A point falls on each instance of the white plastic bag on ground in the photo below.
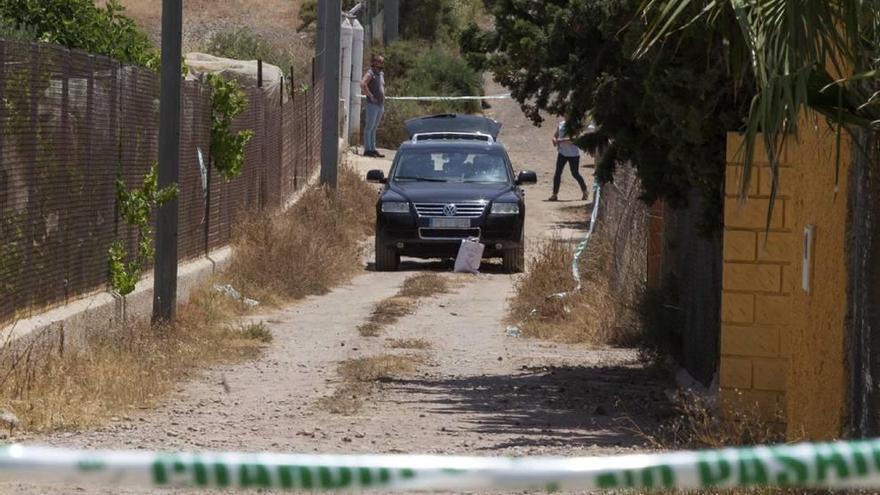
(470, 254)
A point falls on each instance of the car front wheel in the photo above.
(514, 260)
(387, 258)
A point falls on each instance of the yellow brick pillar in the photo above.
(755, 299)
(782, 346)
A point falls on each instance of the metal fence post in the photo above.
(165, 281)
(392, 21)
(332, 11)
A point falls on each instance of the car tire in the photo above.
(387, 259)
(514, 260)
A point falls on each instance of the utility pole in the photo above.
(320, 39)
(392, 21)
(165, 270)
(330, 61)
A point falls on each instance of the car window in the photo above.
(454, 166)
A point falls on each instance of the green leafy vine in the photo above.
(227, 147)
(135, 207)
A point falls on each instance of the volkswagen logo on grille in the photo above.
(450, 210)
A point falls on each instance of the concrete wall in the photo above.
(783, 348)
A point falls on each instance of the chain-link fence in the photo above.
(622, 237)
(656, 248)
(72, 122)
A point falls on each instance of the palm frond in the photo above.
(793, 46)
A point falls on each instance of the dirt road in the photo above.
(479, 391)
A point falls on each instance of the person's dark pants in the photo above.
(573, 163)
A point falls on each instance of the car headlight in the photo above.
(505, 209)
(395, 207)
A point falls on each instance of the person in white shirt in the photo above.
(567, 153)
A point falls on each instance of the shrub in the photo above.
(417, 69)
(11, 32)
(438, 20)
(102, 30)
(241, 43)
(278, 257)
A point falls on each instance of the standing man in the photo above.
(373, 86)
(567, 152)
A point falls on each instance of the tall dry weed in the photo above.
(49, 385)
(589, 316)
(701, 424)
(306, 249)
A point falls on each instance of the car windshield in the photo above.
(451, 166)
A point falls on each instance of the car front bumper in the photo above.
(414, 236)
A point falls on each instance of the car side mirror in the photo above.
(376, 176)
(526, 177)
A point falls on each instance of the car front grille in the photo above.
(448, 234)
(471, 209)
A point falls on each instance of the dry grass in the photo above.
(420, 344)
(424, 285)
(388, 311)
(274, 21)
(256, 331)
(347, 399)
(278, 258)
(590, 316)
(370, 330)
(384, 367)
(305, 250)
(700, 424)
(361, 376)
(49, 387)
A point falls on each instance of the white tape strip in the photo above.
(828, 465)
(505, 96)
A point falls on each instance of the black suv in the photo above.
(450, 181)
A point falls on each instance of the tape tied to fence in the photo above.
(853, 464)
(582, 246)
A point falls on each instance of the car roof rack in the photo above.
(433, 136)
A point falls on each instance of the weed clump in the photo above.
(50, 385)
(370, 330)
(545, 306)
(420, 344)
(424, 285)
(279, 257)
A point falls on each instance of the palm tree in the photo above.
(819, 55)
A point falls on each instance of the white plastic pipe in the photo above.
(357, 71)
(345, 37)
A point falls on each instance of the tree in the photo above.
(819, 55)
(83, 25)
(667, 116)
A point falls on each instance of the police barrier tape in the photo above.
(853, 464)
(575, 272)
(505, 96)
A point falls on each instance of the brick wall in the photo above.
(757, 290)
(782, 347)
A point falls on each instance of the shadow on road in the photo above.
(491, 267)
(556, 406)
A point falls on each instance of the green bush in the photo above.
(11, 32)
(79, 24)
(437, 20)
(414, 68)
(241, 43)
